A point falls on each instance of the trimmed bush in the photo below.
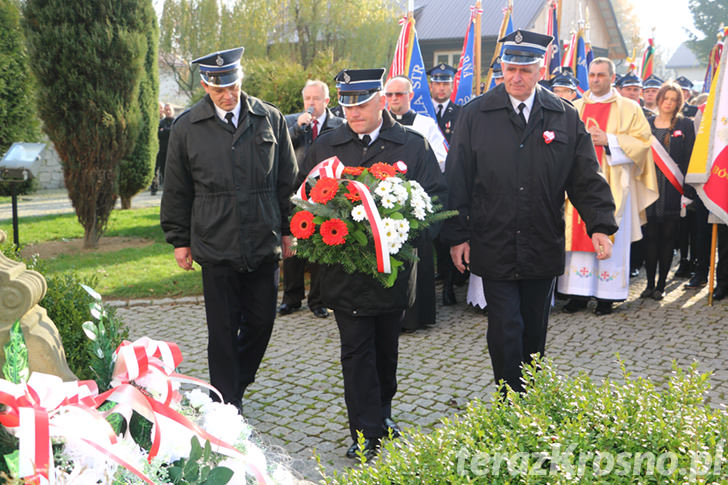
(567, 430)
(67, 304)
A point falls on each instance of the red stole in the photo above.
(595, 114)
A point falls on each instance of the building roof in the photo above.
(448, 19)
(682, 58)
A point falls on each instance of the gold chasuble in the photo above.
(623, 118)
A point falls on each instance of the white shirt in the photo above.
(374, 134)
(221, 113)
(528, 102)
(617, 155)
(444, 105)
(428, 128)
(320, 120)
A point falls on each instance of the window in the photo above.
(451, 58)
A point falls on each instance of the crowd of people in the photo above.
(557, 193)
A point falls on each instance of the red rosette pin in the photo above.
(548, 136)
(677, 133)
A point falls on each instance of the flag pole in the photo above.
(501, 33)
(476, 48)
(712, 264)
(410, 8)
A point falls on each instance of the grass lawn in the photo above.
(126, 272)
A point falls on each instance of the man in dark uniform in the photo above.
(304, 128)
(165, 126)
(650, 86)
(368, 314)
(497, 72)
(441, 84)
(564, 85)
(518, 149)
(689, 110)
(230, 175)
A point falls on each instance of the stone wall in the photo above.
(50, 175)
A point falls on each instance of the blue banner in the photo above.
(555, 64)
(465, 85)
(582, 70)
(422, 102)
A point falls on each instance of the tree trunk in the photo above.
(125, 202)
(91, 237)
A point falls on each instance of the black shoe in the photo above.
(603, 308)
(287, 309)
(391, 428)
(696, 281)
(684, 269)
(634, 273)
(658, 294)
(574, 305)
(369, 450)
(320, 312)
(448, 295)
(647, 292)
(720, 292)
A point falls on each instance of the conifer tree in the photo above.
(18, 121)
(88, 59)
(136, 170)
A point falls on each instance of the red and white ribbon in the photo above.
(667, 165)
(333, 168)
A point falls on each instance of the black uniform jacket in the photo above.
(227, 194)
(302, 136)
(358, 294)
(448, 120)
(509, 184)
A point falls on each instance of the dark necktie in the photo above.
(229, 118)
(521, 107)
(314, 129)
(439, 112)
(366, 140)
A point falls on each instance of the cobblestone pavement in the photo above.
(297, 400)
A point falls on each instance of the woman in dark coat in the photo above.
(677, 135)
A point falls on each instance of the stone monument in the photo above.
(20, 291)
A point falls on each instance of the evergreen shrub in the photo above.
(566, 430)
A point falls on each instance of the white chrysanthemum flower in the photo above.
(223, 422)
(394, 246)
(400, 193)
(388, 202)
(388, 223)
(358, 213)
(198, 398)
(403, 227)
(419, 213)
(383, 189)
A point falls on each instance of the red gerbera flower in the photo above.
(324, 190)
(334, 231)
(353, 194)
(382, 170)
(355, 171)
(302, 225)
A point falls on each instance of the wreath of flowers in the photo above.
(336, 224)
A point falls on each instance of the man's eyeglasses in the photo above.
(389, 95)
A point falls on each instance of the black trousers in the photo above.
(369, 351)
(658, 238)
(240, 309)
(702, 239)
(293, 282)
(721, 272)
(518, 313)
(423, 311)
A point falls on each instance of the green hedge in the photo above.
(567, 430)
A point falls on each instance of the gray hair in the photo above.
(315, 82)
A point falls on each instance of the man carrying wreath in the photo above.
(368, 314)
